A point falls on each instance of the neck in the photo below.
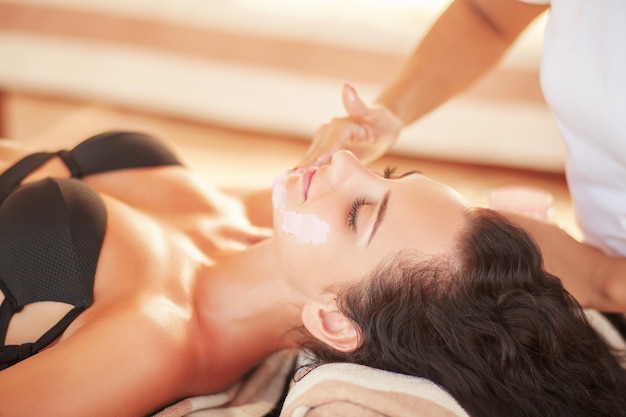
(245, 296)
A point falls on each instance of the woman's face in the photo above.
(336, 223)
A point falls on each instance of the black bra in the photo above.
(52, 230)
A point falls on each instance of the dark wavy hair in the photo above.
(488, 324)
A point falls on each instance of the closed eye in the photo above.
(389, 173)
(354, 211)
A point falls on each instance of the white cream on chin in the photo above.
(305, 227)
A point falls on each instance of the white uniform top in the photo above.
(583, 77)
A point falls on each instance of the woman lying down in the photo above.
(129, 283)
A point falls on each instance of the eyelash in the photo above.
(389, 170)
(360, 201)
(354, 209)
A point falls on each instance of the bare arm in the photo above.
(467, 40)
(113, 367)
(593, 278)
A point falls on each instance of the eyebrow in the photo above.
(406, 174)
(390, 173)
(380, 215)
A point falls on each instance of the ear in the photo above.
(330, 326)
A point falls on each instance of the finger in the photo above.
(353, 103)
(318, 143)
(318, 153)
(338, 135)
(314, 160)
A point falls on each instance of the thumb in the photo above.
(353, 103)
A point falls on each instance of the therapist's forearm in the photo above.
(603, 278)
(593, 278)
(463, 44)
(611, 274)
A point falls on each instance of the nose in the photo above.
(345, 165)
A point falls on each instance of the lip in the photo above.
(307, 177)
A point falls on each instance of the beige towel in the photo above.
(341, 389)
(254, 396)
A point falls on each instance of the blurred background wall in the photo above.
(272, 66)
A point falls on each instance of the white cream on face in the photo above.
(307, 228)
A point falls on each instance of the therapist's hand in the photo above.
(366, 131)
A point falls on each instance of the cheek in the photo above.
(314, 226)
(304, 242)
(306, 228)
(301, 228)
(308, 268)
(303, 239)
(313, 269)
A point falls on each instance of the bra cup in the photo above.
(51, 254)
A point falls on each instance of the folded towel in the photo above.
(253, 396)
(342, 389)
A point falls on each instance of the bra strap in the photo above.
(12, 354)
(70, 163)
(6, 312)
(12, 177)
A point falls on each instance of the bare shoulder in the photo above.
(11, 151)
(164, 189)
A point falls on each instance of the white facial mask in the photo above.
(307, 228)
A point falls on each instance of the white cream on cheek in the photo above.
(305, 227)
